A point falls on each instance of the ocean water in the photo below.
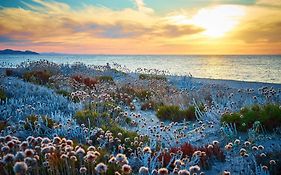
(261, 68)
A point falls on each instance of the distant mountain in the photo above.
(17, 52)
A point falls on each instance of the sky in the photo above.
(142, 26)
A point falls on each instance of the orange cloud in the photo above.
(53, 26)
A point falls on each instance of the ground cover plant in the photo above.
(85, 119)
(174, 113)
(269, 116)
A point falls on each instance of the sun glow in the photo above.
(218, 20)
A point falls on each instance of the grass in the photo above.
(174, 113)
(84, 116)
(3, 125)
(33, 119)
(268, 115)
(151, 77)
(140, 93)
(149, 105)
(274, 169)
(3, 95)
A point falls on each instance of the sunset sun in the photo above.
(218, 20)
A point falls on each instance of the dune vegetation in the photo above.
(81, 119)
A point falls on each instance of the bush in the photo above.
(174, 113)
(150, 77)
(268, 115)
(149, 105)
(9, 72)
(88, 81)
(105, 78)
(84, 116)
(3, 125)
(3, 95)
(37, 77)
(188, 150)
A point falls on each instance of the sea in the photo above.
(253, 68)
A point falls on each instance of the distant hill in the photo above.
(17, 52)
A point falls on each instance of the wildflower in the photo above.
(23, 145)
(29, 152)
(272, 162)
(228, 147)
(226, 172)
(265, 168)
(45, 141)
(64, 156)
(175, 170)
(83, 170)
(260, 147)
(80, 152)
(57, 140)
(146, 150)
(91, 148)
(20, 168)
(30, 161)
(194, 168)
(9, 158)
(143, 170)
(10, 144)
(112, 160)
(73, 158)
(247, 143)
(45, 150)
(183, 172)
(262, 155)
(216, 143)
(101, 168)
(8, 138)
(46, 164)
(197, 153)
(178, 163)
(5, 149)
(20, 156)
(126, 169)
(210, 147)
(163, 171)
(90, 157)
(69, 142)
(121, 158)
(254, 148)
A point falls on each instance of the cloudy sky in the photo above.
(142, 26)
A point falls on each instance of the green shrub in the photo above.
(3, 95)
(105, 78)
(151, 76)
(149, 105)
(115, 129)
(63, 93)
(3, 125)
(143, 94)
(174, 113)
(84, 116)
(268, 115)
(140, 93)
